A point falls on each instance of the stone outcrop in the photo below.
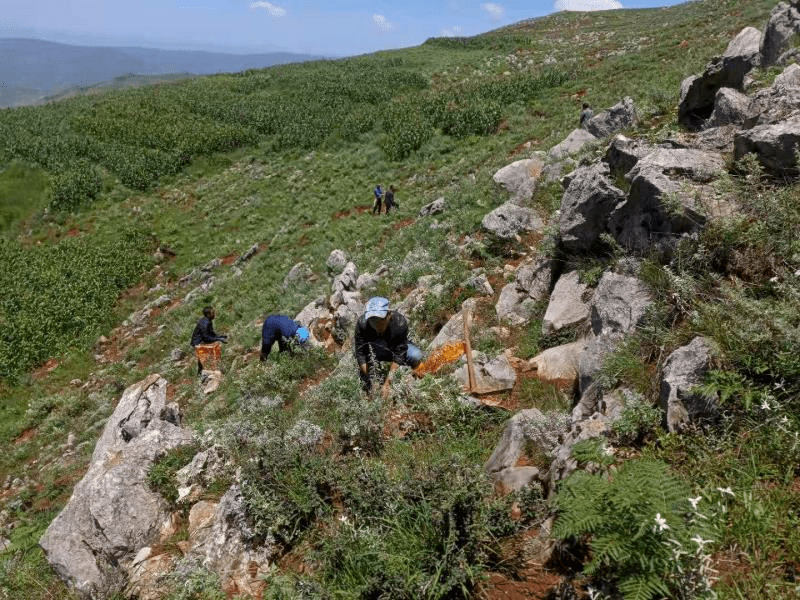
(620, 116)
(572, 144)
(684, 370)
(775, 145)
(113, 513)
(509, 220)
(727, 71)
(518, 299)
(491, 375)
(434, 208)
(783, 25)
(568, 305)
(588, 200)
(519, 178)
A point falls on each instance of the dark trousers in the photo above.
(266, 348)
(378, 352)
(377, 207)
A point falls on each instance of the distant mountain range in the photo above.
(32, 71)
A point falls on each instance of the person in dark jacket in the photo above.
(381, 335)
(204, 332)
(388, 199)
(281, 329)
(586, 114)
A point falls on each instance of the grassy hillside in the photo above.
(285, 159)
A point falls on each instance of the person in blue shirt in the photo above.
(281, 329)
(378, 197)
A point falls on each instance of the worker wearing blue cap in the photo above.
(382, 336)
(281, 329)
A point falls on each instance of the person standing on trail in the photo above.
(281, 329)
(378, 196)
(381, 335)
(586, 114)
(388, 200)
(205, 340)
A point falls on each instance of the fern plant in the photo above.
(636, 521)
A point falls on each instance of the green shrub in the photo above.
(75, 187)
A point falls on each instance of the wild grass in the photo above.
(233, 164)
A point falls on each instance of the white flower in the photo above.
(608, 451)
(661, 522)
(343, 518)
(765, 404)
(726, 490)
(694, 502)
(700, 541)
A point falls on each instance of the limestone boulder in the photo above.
(519, 178)
(347, 279)
(514, 306)
(730, 107)
(783, 25)
(113, 513)
(576, 141)
(774, 145)
(509, 220)
(433, 208)
(623, 153)
(683, 371)
(491, 375)
(698, 92)
(585, 206)
(559, 365)
(336, 262)
(617, 118)
(569, 304)
(619, 304)
(527, 426)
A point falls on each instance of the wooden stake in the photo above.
(468, 347)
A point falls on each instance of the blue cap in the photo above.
(377, 307)
(302, 334)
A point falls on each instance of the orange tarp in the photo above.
(440, 357)
(209, 355)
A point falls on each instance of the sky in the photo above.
(321, 27)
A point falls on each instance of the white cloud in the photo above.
(493, 9)
(382, 22)
(585, 5)
(275, 11)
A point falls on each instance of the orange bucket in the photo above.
(209, 355)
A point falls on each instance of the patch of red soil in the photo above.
(230, 258)
(731, 565)
(400, 424)
(25, 436)
(47, 368)
(403, 223)
(535, 586)
(73, 232)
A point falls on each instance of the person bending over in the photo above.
(281, 329)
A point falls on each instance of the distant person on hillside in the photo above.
(378, 197)
(281, 329)
(586, 114)
(205, 340)
(382, 336)
(388, 199)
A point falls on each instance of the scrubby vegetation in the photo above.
(109, 201)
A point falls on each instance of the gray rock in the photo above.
(563, 463)
(347, 279)
(777, 103)
(775, 145)
(177, 355)
(620, 116)
(664, 202)
(568, 306)
(559, 365)
(514, 479)
(297, 274)
(337, 260)
(783, 25)
(534, 277)
(453, 330)
(684, 370)
(698, 93)
(588, 200)
(314, 311)
(222, 541)
(433, 208)
(623, 153)
(370, 280)
(572, 144)
(509, 220)
(730, 106)
(113, 512)
(514, 306)
(530, 425)
(479, 283)
(495, 375)
(251, 252)
(519, 178)
(619, 304)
